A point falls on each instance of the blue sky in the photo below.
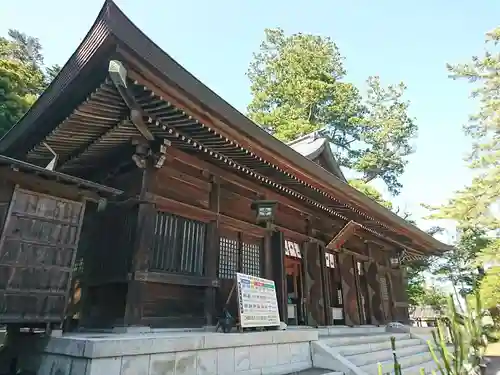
(397, 40)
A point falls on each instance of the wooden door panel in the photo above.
(314, 288)
(37, 254)
(349, 289)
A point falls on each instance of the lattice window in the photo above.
(228, 258)
(178, 244)
(292, 249)
(251, 259)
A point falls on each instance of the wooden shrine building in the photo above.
(196, 174)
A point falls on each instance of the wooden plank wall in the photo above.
(105, 253)
(197, 190)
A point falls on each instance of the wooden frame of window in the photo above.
(178, 245)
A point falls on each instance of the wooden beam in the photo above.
(46, 186)
(118, 74)
(345, 233)
(232, 178)
(201, 214)
(175, 278)
(182, 209)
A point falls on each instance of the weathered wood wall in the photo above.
(184, 187)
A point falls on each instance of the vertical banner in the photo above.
(349, 289)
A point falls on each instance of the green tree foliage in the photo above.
(22, 76)
(476, 206)
(18, 88)
(298, 86)
(50, 73)
(490, 287)
(420, 294)
(459, 265)
(370, 192)
(387, 130)
(22, 47)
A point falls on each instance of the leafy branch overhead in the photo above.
(298, 86)
(23, 76)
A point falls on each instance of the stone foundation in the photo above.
(172, 353)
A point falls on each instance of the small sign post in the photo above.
(257, 302)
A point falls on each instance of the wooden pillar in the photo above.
(392, 284)
(140, 255)
(212, 253)
(307, 283)
(278, 262)
(325, 287)
(268, 258)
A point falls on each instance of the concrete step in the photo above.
(386, 355)
(316, 371)
(371, 347)
(407, 363)
(350, 331)
(366, 339)
(428, 367)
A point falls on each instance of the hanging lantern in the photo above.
(264, 210)
(395, 258)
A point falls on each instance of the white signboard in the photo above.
(257, 302)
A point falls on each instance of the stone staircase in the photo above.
(359, 350)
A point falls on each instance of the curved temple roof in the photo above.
(312, 146)
(82, 117)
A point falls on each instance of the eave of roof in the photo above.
(66, 179)
(112, 26)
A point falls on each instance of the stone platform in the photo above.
(172, 353)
